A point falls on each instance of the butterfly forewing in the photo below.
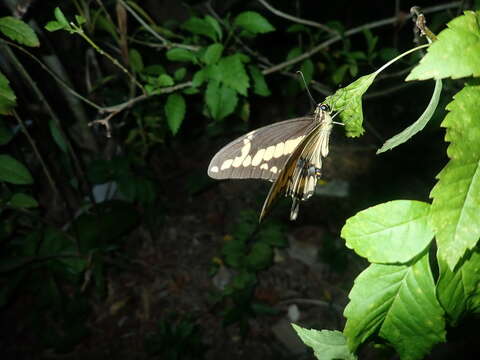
(262, 153)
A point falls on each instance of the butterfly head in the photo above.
(324, 107)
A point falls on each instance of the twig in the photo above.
(351, 32)
(55, 76)
(297, 19)
(37, 153)
(165, 43)
(115, 109)
(421, 24)
(114, 61)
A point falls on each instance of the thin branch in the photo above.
(133, 101)
(165, 43)
(55, 76)
(297, 19)
(37, 153)
(351, 32)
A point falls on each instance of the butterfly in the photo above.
(289, 153)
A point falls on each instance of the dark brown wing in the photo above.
(262, 153)
(296, 177)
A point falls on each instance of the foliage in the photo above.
(397, 298)
(176, 338)
(248, 250)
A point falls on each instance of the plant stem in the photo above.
(80, 32)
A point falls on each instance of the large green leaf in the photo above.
(253, 22)
(458, 291)
(393, 232)
(418, 125)
(455, 215)
(348, 101)
(326, 344)
(220, 99)
(456, 52)
(13, 171)
(231, 72)
(7, 96)
(19, 31)
(398, 303)
(175, 110)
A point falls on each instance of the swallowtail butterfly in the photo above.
(288, 153)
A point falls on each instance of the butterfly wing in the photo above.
(262, 153)
(296, 179)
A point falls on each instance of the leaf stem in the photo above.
(400, 56)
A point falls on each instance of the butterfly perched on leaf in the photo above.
(289, 153)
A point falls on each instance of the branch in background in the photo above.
(351, 32)
(165, 43)
(37, 154)
(297, 19)
(115, 109)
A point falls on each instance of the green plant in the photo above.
(248, 251)
(175, 338)
(400, 298)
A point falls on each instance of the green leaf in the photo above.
(339, 73)
(80, 20)
(348, 101)
(181, 55)
(165, 80)
(260, 256)
(60, 17)
(455, 53)
(7, 97)
(215, 25)
(398, 302)
(19, 31)
(175, 111)
(234, 253)
(260, 86)
(253, 22)
(458, 291)
(213, 53)
(454, 215)
(23, 201)
(5, 133)
(57, 136)
(136, 61)
(418, 125)
(392, 232)
(326, 344)
(201, 27)
(13, 171)
(179, 74)
(273, 235)
(232, 73)
(54, 26)
(199, 78)
(307, 70)
(220, 99)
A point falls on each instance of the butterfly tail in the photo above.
(295, 207)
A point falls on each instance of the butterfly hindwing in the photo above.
(262, 153)
(293, 168)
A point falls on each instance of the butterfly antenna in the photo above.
(312, 100)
